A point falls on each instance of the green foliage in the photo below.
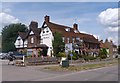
(74, 57)
(103, 53)
(29, 56)
(39, 53)
(9, 35)
(58, 44)
(44, 52)
(87, 58)
(61, 54)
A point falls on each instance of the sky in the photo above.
(97, 18)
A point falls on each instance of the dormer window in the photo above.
(67, 29)
(75, 31)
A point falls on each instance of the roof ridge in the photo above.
(59, 25)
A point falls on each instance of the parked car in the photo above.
(18, 55)
(4, 55)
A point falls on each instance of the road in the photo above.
(35, 73)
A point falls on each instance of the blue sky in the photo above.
(85, 14)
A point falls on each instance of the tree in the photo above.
(58, 44)
(9, 35)
(103, 53)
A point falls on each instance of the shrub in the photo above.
(74, 57)
(103, 53)
(61, 54)
(103, 56)
(29, 56)
(87, 58)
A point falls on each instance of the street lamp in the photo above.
(66, 48)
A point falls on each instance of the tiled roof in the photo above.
(36, 31)
(61, 28)
(23, 35)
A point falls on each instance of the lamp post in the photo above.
(66, 48)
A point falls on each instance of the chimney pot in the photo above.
(47, 18)
(75, 26)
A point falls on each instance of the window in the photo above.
(78, 38)
(43, 31)
(32, 40)
(67, 29)
(73, 40)
(47, 30)
(41, 41)
(68, 40)
(63, 38)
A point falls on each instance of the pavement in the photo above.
(36, 73)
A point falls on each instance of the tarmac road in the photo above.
(34, 73)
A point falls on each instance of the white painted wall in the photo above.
(19, 42)
(47, 37)
(25, 43)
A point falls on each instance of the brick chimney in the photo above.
(101, 41)
(47, 18)
(33, 24)
(75, 26)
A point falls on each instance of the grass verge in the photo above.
(82, 67)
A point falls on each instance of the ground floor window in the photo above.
(29, 52)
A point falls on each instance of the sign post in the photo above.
(71, 57)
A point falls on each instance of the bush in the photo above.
(103, 53)
(29, 56)
(103, 56)
(74, 57)
(61, 54)
(87, 58)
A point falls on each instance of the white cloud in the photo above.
(112, 29)
(114, 39)
(6, 19)
(7, 10)
(109, 18)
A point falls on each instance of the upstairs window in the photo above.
(67, 29)
(78, 38)
(47, 29)
(73, 40)
(32, 40)
(68, 40)
(63, 38)
(43, 31)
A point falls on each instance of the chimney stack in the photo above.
(75, 26)
(33, 24)
(101, 41)
(47, 18)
